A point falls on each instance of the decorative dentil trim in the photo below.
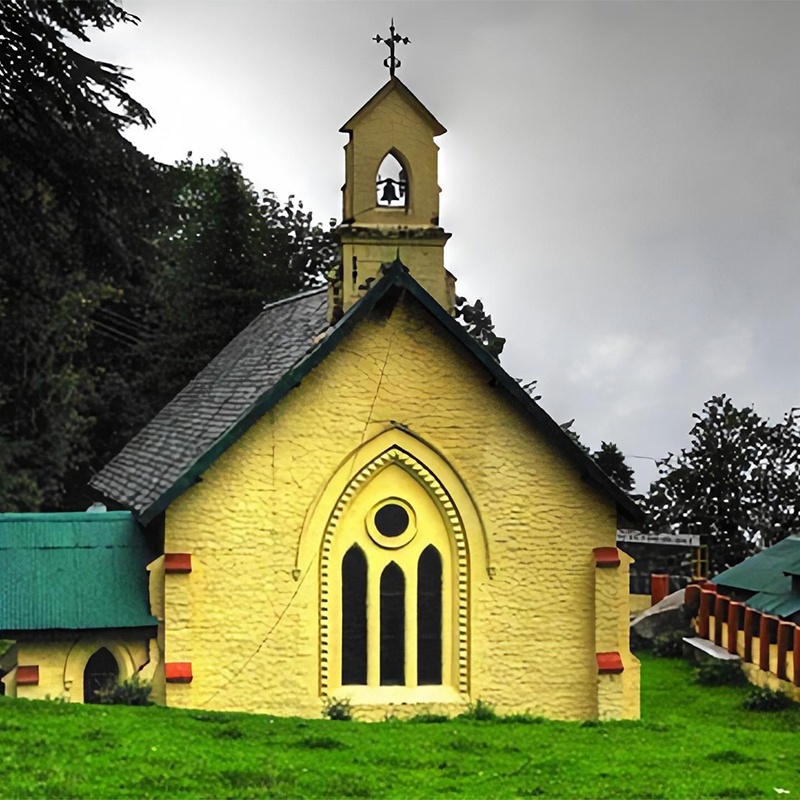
(397, 456)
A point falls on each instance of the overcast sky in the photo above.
(622, 180)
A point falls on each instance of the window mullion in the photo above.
(411, 627)
(374, 571)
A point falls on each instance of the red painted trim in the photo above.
(28, 675)
(605, 557)
(178, 671)
(177, 562)
(734, 609)
(609, 663)
(784, 639)
(796, 655)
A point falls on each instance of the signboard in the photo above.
(675, 539)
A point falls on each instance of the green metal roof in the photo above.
(73, 571)
(768, 575)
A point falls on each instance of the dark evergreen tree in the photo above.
(611, 460)
(737, 485)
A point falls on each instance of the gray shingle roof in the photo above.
(187, 427)
(258, 368)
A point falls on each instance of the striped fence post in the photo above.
(734, 616)
(785, 631)
(751, 623)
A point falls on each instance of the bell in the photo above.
(389, 194)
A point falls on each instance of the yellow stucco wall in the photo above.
(62, 656)
(247, 617)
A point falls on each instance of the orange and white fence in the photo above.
(768, 642)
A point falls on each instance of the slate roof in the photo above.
(768, 575)
(258, 368)
(73, 571)
(208, 407)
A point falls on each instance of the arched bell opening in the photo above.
(392, 184)
(101, 671)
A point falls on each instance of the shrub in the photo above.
(760, 698)
(429, 718)
(479, 712)
(337, 709)
(720, 673)
(130, 692)
(669, 644)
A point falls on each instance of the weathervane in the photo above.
(392, 62)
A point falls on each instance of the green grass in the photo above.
(692, 741)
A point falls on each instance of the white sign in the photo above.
(678, 539)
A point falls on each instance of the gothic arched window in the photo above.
(393, 626)
(429, 617)
(354, 617)
(391, 184)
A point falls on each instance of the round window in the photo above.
(391, 520)
(391, 523)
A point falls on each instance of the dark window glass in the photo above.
(354, 617)
(429, 617)
(101, 672)
(393, 628)
(391, 520)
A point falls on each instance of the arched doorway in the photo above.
(101, 670)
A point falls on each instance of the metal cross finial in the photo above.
(392, 62)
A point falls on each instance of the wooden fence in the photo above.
(766, 641)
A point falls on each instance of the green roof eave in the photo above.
(395, 278)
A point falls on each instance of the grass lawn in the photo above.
(691, 742)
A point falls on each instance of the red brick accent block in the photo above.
(28, 675)
(177, 562)
(178, 671)
(605, 557)
(609, 663)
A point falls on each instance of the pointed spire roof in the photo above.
(395, 85)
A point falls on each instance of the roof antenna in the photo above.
(392, 62)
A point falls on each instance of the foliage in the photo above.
(429, 719)
(480, 711)
(611, 460)
(75, 204)
(337, 709)
(679, 749)
(738, 484)
(479, 325)
(669, 644)
(130, 692)
(223, 251)
(715, 672)
(761, 698)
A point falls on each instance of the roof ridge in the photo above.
(292, 297)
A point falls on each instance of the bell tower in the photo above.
(391, 198)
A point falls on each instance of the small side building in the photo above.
(75, 598)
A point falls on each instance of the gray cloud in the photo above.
(622, 180)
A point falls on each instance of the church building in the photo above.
(355, 501)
